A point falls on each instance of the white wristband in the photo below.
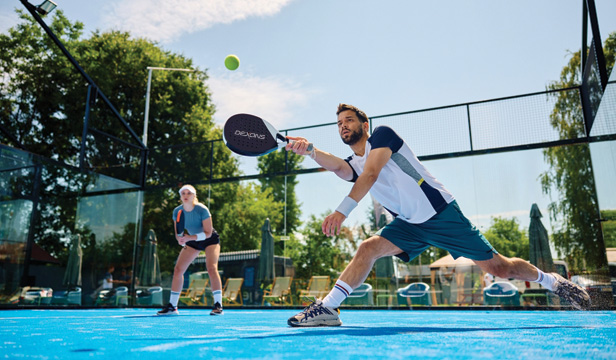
(200, 236)
(313, 154)
(346, 206)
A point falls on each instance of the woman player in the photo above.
(202, 236)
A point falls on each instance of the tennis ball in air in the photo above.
(232, 62)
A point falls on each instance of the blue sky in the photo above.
(300, 58)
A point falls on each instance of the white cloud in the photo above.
(275, 100)
(165, 20)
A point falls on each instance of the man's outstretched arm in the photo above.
(377, 158)
(326, 160)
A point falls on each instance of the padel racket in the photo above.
(249, 135)
(179, 223)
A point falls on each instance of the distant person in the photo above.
(107, 282)
(124, 277)
(488, 279)
(446, 277)
(202, 237)
(426, 214)
(108, 278)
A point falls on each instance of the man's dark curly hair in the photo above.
(360, 114)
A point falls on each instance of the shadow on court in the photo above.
(368, 331)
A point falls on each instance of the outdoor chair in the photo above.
(150, 296)
(280, 292)
(417, 293)
(232, 292)
(318, 287)
(71, 296)
(501, 293)
(36, 296)
(363, 295)
(117, 296)
(195, 294)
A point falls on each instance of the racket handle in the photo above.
(308, 149)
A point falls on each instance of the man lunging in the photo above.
(426, 214)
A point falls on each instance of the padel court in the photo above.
(264, 334)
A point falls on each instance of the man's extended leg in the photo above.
(515, 268)
(325, 312)
(358, 269)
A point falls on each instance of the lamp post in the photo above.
(147, 98)
(139, 213)
(46, 7)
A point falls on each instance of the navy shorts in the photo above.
(449, 230)
(201, 245)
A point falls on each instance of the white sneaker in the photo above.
(574, 294)
(316, 314)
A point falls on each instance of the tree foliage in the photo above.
(42, 108)
(318, 254)
(508, 238)
(577, 234)
(609, 227)
(282, 187)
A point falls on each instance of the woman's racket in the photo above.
(249, 135)
(179, 223)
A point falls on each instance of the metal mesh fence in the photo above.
(436, 131)
(505, 123)
(605, 120)
(499, 123)
(512, 122)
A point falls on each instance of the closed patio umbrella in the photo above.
(72, 275)
(539, 242)
(149, 270)
(266, 258)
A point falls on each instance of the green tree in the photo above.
(35, 90)
(508, 238)
(42, 106)
(278, 162)
(608, 225)
(318, 254)
(577, 235)
(241, 221)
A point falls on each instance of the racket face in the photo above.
(179, 222)
(250, 135)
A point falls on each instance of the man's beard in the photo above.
(354, 138)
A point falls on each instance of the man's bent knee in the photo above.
(377, 247)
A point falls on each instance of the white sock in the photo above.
(173, 299)
(217, 296)
(546, 280)
(338, 294)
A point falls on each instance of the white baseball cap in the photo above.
(189, 188)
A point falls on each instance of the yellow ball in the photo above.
(232, 62)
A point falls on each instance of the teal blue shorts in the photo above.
(449, 230)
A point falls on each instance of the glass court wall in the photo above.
(493, 156)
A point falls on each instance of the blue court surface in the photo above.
(264, 334)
